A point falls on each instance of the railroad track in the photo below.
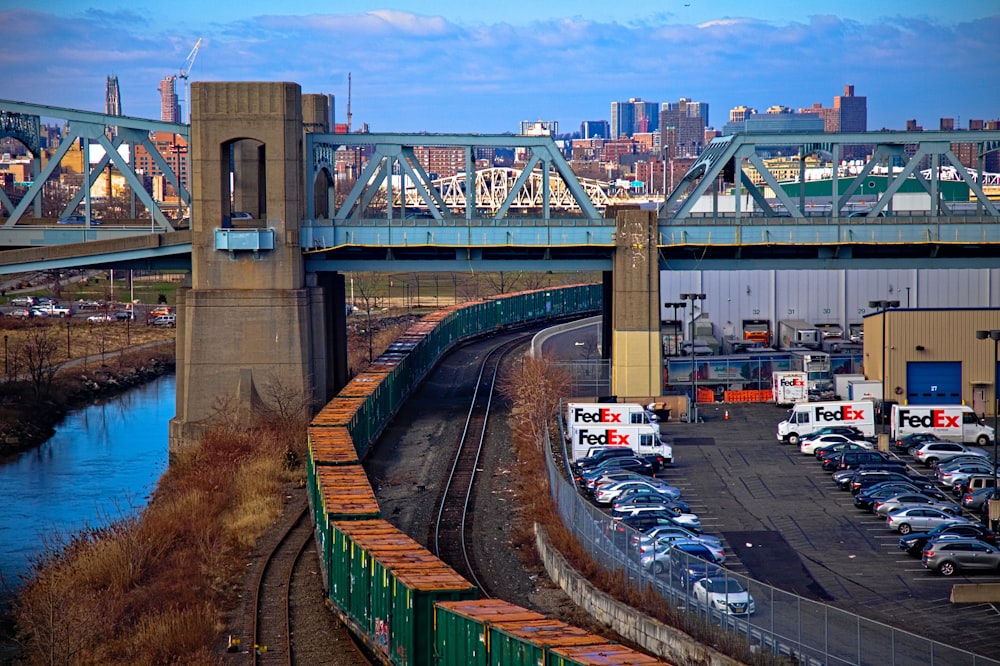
(456, 508)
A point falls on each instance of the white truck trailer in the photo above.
(789, 388)
(643, 439)
(808, 417)
(957, 423)
(611, 413)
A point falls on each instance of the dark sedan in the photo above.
(914, 542)
(904, 444)
(881, 491)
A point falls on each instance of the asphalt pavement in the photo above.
(787, 524)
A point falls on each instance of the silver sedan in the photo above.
(924, 519)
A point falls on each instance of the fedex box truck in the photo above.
(608, 413)
(957, 423)
(807, 417)
(643, 439)
(788, 388)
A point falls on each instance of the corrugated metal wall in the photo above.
(824, 295)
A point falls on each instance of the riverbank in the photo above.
(31, 407)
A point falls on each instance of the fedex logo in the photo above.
(609, 437)
(843, 413)
(935, 418)
(603, 415)
(791, 381)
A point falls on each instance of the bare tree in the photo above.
(503, 282)
(38, 353)
(366, 289)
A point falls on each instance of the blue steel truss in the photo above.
(109, 132)
(725, 157)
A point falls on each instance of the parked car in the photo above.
(724, 595)
(653, 487)
(22, 313)
(973, 483)
(630, 499)
(914, 542)
(880, 491)
(100, 318)
(24, 301)
(884, 506)
(855, 459)
(647, 522)
(952, 476)
(908, 518)
(122, 315)
(847, 431)
(977, 501)
(931, 453)
(164, 320)
(689, 520)
(854, 445)
(241, 215)
(951, 555)
(611, 452)
(809, 446)
(904, 444)
(866, 478)
(646, 541)
(658, 561)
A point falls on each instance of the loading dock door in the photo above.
(934, 383)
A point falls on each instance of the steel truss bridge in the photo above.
(539, 216)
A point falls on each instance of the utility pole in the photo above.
(348, 102)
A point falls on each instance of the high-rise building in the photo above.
(853, 111)
(595, 129)
(112, 97)
(682, 127)
(539, 128)
(170, 108)
(633, 116)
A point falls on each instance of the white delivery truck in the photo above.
(957, 423)
(644, 439)
(609, 413)
(788, 388)
(866, 390)
(841, 385)
(808, 417)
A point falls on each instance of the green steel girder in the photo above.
(711, 165)
(392, 151)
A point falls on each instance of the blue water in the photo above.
(102, 464)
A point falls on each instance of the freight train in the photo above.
(406, 605)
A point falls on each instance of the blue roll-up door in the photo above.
(934, 383)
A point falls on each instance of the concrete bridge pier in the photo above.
(254, 331)
(637, 362)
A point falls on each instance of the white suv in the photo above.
(164, 320)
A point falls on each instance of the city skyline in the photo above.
(448, 67)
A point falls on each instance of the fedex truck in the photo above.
(807, 417)
(609, 413)
(788, 388)
(957, 423)
(643, 439)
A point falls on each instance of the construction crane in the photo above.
(183, 74)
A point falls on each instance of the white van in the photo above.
(956, 423)
(808, 417)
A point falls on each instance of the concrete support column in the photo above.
(637, 365)
(251, 331)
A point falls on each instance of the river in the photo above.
(102, 463)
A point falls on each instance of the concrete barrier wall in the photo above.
(975, 593)
(651, 635)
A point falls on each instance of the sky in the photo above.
(456, 66)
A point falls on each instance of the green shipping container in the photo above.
(601, 655)
(528, 643)
(461, 629)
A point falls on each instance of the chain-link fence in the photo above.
(778, 621)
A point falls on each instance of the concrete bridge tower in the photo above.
(253, 329)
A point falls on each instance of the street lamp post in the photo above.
(693, 406)
(675, 321)
(994, 504)
(882, 306)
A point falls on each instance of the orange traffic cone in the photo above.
(726, 416)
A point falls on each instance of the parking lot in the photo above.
(785, 523)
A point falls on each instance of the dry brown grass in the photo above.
(534, 389)
(154, 588)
